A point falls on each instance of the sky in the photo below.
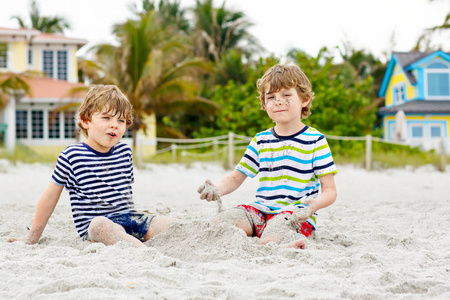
(378, 26)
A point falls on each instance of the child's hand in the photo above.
(303, 214)
(25, 240)
(208, 191)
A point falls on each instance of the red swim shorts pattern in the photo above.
(259, 221)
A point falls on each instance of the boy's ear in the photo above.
(306, 102)
(84, 123)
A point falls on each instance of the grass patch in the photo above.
(193, 156)
(383, 155)
(344, 152)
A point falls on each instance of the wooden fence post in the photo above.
(140, 151)
(174, 151)
(368, 152)
(443, 156)
(230, 150)
(215, 146)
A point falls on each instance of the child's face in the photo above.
(285, 106)
(104, 130)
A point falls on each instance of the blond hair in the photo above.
(287, 77)
(101, 97)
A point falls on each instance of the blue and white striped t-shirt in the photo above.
(99, 184)
(289, 168)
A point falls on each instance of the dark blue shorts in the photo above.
(135, 224)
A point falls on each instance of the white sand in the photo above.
(386, 237)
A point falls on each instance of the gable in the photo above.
(395, 67)
(414, 66)
(399, 89)
(427, 59)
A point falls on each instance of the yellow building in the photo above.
(416, 88)
(33, 120)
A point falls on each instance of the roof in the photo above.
(38, 37)
(50, 38)
(42, 87)
(407, 58)
(406, 61)
(19, 31)
(419, 106)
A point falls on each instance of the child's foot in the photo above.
(300, 244)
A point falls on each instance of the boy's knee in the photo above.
(157, 226)
(236, 217)
(99, 226)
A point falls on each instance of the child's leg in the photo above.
(158, 225)
(105, 231)
(237, 217)
(275, 230)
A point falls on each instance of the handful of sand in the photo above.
(207, 189)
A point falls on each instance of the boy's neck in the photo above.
(96, 146)
(286, 130)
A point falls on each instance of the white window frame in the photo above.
(66, 64)
(428, 71)
(57, 121)
(44, 127)
(55, 70)
(46, 140)
(5, 56)
(26, 129)
(441, 126)
(411, 131)
(399, 93)
(30, 58)
(65, 127)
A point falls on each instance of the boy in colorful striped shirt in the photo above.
(293, 161)
(98, 174)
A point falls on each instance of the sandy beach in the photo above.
(386, 237)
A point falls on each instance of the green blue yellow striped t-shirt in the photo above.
(289, 168)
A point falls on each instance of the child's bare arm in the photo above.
(327, 197)
(329, 193)
(44, 210)
(226, 185)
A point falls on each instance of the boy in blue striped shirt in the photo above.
(98, 174)
(293, 162)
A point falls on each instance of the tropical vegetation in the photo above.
(195, 69)
(46, 24)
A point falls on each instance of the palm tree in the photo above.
(217, 30)
(12, 85)
(151, 67)
(172, 14)
(42, 23)
(231, 66)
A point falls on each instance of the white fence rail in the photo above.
(232, 142)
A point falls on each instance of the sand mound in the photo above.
(386, 237)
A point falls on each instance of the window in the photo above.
(70, 127)
(399, 94)
(21, 124)
(37, 124)
(30, 56)
(128, 133)
(53, 125)
(48, 63)
(62, 65)
(3, 55)
(58, 59)
(417, 131)
(435, 131)
(438, 80)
